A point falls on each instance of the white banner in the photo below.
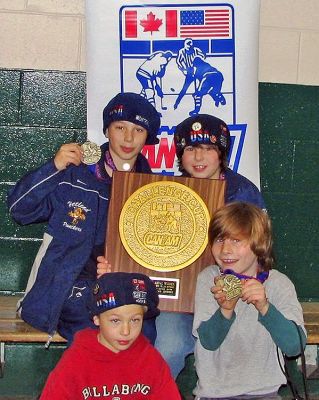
(150, 47)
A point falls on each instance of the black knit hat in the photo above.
(134, 108)
(118, 289)
(202, 129)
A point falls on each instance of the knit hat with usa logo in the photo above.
(134, 108)
(118, 289)
(202, 129)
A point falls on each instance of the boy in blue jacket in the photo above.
(73, 199)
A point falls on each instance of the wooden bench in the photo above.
(311, 317)
(14, 330)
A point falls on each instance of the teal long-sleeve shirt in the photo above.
(283, 331)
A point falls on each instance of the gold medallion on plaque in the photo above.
(164, 226)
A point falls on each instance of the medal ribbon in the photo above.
(99, 169)
(261, 276)
(109, 160)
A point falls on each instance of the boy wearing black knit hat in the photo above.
(73, 199)
(202, 145)
(115, 361)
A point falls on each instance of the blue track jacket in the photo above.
(75, 205)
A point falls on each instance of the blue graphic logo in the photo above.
(181, 58)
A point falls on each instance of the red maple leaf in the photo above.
(151, 24)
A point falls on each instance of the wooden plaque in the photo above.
(177, 286)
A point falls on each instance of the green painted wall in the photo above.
(289, 151)
(27, 367)
(40, 110)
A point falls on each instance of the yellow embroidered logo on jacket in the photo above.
(77, 214)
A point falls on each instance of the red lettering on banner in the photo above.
(156, 154)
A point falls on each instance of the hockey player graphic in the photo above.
(185, 62)
(150, 74)
(208, 81)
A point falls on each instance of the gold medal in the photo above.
(91, 153)
(231, 285)
(163, 226)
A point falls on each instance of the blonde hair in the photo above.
(248, 221)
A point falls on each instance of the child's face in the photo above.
(235, 253)
(126, 140)
(201, 161)
(120, 326)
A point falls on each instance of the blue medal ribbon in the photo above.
(261, 276)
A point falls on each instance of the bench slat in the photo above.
(19, 331)
(311, 318)
(8, 305)
(14, 329)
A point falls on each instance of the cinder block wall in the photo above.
(43, 104)
(39, 111)
(289, 148)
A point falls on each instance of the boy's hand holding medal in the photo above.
(69, 153)
(254, 293)
(227, 290)
(230, 285)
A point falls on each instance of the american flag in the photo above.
(213, 22)
(203, 23)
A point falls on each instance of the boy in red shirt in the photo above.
(115, 361)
